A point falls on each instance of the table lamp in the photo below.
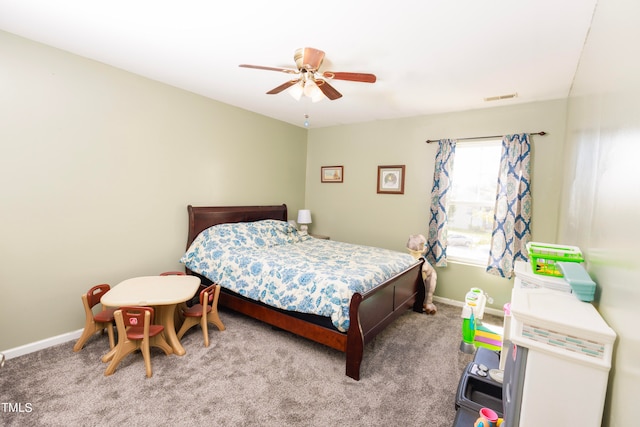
(304, 218)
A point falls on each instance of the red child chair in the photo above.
(205, 312)
(137, 331)
(95, 322)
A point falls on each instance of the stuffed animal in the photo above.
(417, 248)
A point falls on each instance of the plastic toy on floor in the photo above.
(488, 418)
(468, 330)
(474, 332)
(487, 336)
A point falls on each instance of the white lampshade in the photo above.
(304, 216)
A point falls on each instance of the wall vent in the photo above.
(499, 97)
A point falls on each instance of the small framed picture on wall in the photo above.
(391, 179)
(331, 174)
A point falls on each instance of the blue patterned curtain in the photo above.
(512, 217)
(437, 237)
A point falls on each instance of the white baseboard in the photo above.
(72, 336)
(42, 344)
(488, 310)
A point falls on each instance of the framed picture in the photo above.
(331, 173)
(391, 179)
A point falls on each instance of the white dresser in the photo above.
(558, 361)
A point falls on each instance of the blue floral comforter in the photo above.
(269, 261)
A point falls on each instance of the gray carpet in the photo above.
(251, 375)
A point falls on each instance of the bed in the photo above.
(366, 312)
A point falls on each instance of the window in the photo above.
(472, 201)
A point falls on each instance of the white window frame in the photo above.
(467, 239)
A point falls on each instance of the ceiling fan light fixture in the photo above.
(297, 91)
(310, 80)
(317, 95)
(312, 90)
(310, 87)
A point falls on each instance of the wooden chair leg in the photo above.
(214, 317)
(89, 330)
(122, 350)
(146, 355)
(188, 323)
(205, 330)
(109, 355)
(112, 342)
(157, 341)
(161, 342)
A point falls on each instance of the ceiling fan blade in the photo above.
(260, 67)
(328, 90)
(308, 58)
(282, 87)
(354, 77)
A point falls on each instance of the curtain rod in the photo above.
(429, 141)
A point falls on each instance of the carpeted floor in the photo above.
(251, 375)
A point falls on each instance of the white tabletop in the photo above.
(151, 290)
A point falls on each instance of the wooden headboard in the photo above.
(203, 217)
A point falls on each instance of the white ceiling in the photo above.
(430, 56)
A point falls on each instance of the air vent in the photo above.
(499, 97)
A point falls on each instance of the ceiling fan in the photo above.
(309, 80)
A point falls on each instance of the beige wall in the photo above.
(96, 170)
(602, 201)
(354, 212)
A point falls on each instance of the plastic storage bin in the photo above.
(581, 284)
(530, 280)
(544, 256)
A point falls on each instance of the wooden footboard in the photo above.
(373, 311)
